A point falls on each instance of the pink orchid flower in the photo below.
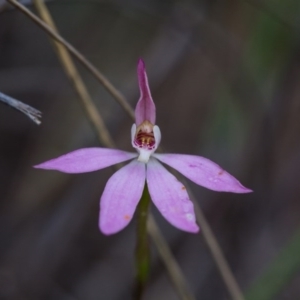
(124, 189)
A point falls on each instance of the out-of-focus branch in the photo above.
(29, 111)
(89, 66)
(76, 80)
(164, 251)
(217, 254)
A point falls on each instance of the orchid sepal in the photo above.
(145, 108)
(203, 172)
(86, 160)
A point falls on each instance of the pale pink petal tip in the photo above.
(243, 189)
(121, 195)
(141, 65)
(170, 197)
(203, 172)
(145, 108)
(86, 160)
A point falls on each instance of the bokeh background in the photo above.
(225, 78)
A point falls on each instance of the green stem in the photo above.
(142, 246)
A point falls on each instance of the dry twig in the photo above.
(76, 80)
(26, 109)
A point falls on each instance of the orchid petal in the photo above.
(86, 160)
(133, 132)
(121, 196)
(170, 197)
(203, 172)
(145, 108)
(157, 136)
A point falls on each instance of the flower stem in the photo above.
(142, 246)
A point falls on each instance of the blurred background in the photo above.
(225, 78)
